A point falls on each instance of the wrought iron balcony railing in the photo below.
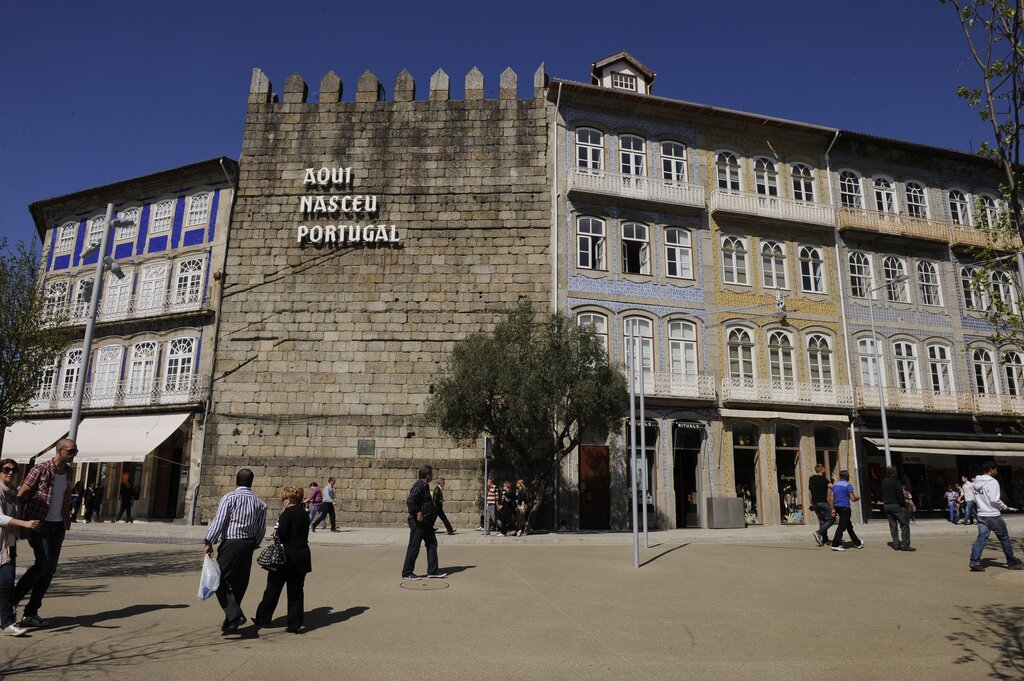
(139, 307)
(154, 391)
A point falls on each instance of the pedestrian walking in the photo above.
(127, 496)
(237, 529)
(911, 506)
(520, 507)
(76, 501)
(819, 486)
(10, 525)
(292, 530)
(506, 509)
(967, 487)
(894, 504)
(490, 507)
(841, 496)
(439, 505)
(326, 508)
(95, 508)
(987, 497)
(46, 497)
(421, 526)
(315, 498)
(952, 494)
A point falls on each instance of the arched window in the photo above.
(636, 252)
(860, 275)
(632, 155)
(916, 203)
(180, 361)
(83, 297)
(766, 178)
(673, 162)
(152, 290)
(819, 360)
(598, 324)
(928, 283)
(198, 209)
(773, 264)
(589, 149)
(885, 195)
(127, 231)
(959, 212)
(1004, 293)
(188, 285)
(734, 260)
(741, 355)
(975, 296)
(590, 244)
(106, 375)
(682, 348)
(896, 289)
(46, 385)
(906, 365)
(117, 295)
(812, 276)
(984, 372)
(728, 168)
(988, 214)
(56, 304)
(163, 214)
(870, 369)
(643, 337)
(678, 253)
(803, 183)
(940, 368)
(1013, 367)
(66, 236)
(850, 195)
(69, 375)
(780, 357)
(96, 226)
(141, 368)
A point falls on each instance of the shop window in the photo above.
(646, 468)
(745, 456)
(787, 470)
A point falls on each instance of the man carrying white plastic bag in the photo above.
(209, 578)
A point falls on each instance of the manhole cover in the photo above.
(425, 585)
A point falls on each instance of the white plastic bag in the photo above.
(209, 579)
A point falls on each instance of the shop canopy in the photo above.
(987, 448)
(127, 439)
(25, 439)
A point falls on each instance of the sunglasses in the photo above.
(8, 470)
(70, 451)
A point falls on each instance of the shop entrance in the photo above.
(167, 477)
(595, 488)
(746, 459)
(688, 440)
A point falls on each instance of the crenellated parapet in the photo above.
(369, 88)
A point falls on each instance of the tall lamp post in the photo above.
(90, 324)
(878, 362)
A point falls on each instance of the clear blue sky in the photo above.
(95, 92)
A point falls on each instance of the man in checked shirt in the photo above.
(239, 526)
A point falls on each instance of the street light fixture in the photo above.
(94, 298)
(878, 361)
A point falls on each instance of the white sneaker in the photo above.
(838, 548)
(15, 630)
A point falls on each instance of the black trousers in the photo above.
(46, 543)
(276, 580)
(844, 526)
(420, 532)
(126, 507)
(899, 520)
(234, 556)
(444, 519)
(326, 509)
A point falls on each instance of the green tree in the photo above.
(535, 387)
(29, 339)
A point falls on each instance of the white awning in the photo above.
(988, 448)
(790, 415)
(124, 438)
(25, 439)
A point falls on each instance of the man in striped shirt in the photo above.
(239, 526)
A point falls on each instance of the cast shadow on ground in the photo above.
(319, 618)
(455, 569)
(663, 553)
(99, 619)
(992, 636)
(138, 564)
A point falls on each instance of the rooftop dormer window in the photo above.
(624, 81)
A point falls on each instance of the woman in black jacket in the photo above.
(293, 531)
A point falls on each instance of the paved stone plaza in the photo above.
(543, 609)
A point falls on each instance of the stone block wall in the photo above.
(326, 352)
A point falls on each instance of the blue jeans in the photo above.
(825, 518)
(995, 524)
(46, 543)
(6, 595)
(969, 512)
(952, 511)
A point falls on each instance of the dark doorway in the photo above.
(167, 478)
(595, 488)
(686, 467)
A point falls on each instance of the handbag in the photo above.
(272, 557)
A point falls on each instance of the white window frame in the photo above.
(885, 195)
(894, 267)
(66, 234)
(862, 276)
(741, 354)
(188, 280)
(917, 200)
(734, 261)
(56, 302)
(766, 177)
(959, 207)
(106, 374)
(142, 370)
(819, 359)
(1003, 289)
(781, 358)
(163, 217)
(179, 366)
(803, 182)
(678, 253)
(727, 171)
(643, 331)
(1013, 372)
(117, 294)
(94, 233)
(984, 370)
(673, 162)
(988, 210)
(623, 81)
(871, 362)
(682, 348)
(589, 150)
(905, 355)
(129, 231)
(812, 270)
(940, 368)
(929, 286)
(632, 155)
(636, 237)
(596, 321)
(590, 243)
(198, 209)
(70, 371)
(773, 265)
(851, 190)
(976, 297)
(152, 287)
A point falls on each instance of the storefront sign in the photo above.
(328, 200)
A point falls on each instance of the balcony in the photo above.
(960, 235)
(1008, 405)
(917, 400)
(759, 205)
(124, 394)
(892, 223)
(139, 307)
(635, 187)
(672, 385)
(786, 392)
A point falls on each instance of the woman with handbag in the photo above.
(292, 531)
(9, 529)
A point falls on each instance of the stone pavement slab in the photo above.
(712, 610)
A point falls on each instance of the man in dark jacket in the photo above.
(439, 505)
(894, 503)
(421, 527)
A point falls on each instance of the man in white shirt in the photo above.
(968, 491)
(986, 489)
(326, 508)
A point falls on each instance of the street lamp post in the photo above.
(90, 324)
(878, 363)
